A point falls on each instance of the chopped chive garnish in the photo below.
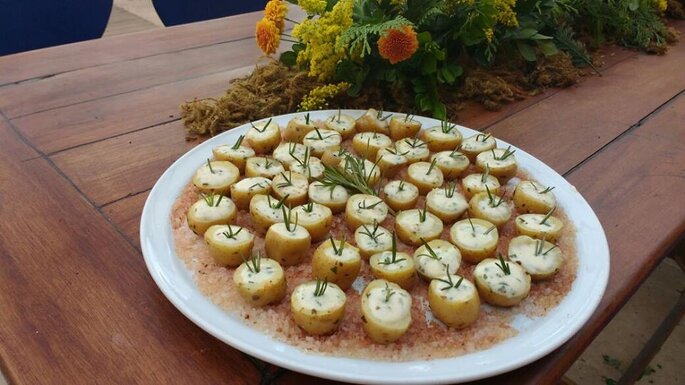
(503, 265)
(393, 253)
(254, 263)
(549, 214)
(432, 165)
(209, 164)
(320, 288)
(238, 142)
(230, 234)
(449, 282)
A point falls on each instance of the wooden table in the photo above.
(86, 129)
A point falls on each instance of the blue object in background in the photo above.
(174, 12)
(33, 24)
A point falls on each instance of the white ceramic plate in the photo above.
(536, 338)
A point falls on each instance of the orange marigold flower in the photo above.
(398, 44)
(268, 36)
(275, 11)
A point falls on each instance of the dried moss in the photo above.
(676, 9)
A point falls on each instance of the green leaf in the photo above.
(288, 58)
(439, 111)
(525, 33)
(429, 65)
(547, 47)
(633, 5)
(423, 37)
(449, 73)
(526, 51)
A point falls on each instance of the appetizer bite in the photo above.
(287, 242)
(452, 163)
(372, 239)
(446, 203)
(475, 238)
(414, 149)
(394, 266)
(265, 211)
(403, 127)
(260, 281)
(287, 152)
(262, 166)
(539, 258)
(386, 311)
(532, 197)
(319, 140)
(414, 225)
(243, 191)
(500, 162)
(390, 160)
(342, 124)
(263, 136)
(478, 183)
(236, 154)
(474, 145)
(436, 258)
(501, 283)
(454, 300)
(297, 128)
(336, 261)
(316, 218)
(425, 176)
(334, 197)
(373, 121)
(216, 177)
(367, 144)
(228, 244)
(492, 208)
(292, 187)
(318, 307)
(445, 137)
(540, 225)
(210, 210)
(400, 195)
(364, 209)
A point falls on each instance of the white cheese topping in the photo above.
(303, 298)
(473, 183)
(382, 261)
(264, 205)
(419, 172)
(317, 214)
(508, 285)
(495, 210)
(287, 152)
(493, 159)
(437, 200)
(254, 184)
(260, 131)
(481, 235)
(392, 156)
(290, 183)
(221, 174)
(411, 221)
(532, 222)
(536, 257)
(367, 208)
(372, 140)
(389, 305)
(265, 167)
(207, 213)
(269, 272)
(434, 266)
(413, 149)
(313, 170)
(321, 139)
(220, 234)
(326, 196)
(465, 292)
(534, 191)
(401, 191)
(451, 163)
(344, 124)
(373, 241)
(436, 133)
(227, 152)
(295, 233)
(478, 143)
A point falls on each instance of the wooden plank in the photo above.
(77, 301)
(60, 59)
(70, 126)
(571, 125)
(13, 144)
(124, 165)
(117, 78)
(125, 215)
(121, 21)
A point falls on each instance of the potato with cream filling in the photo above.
(287, 152)
(445, 137)
(243, 191)
(475, 238)
(476, 183)
(210, 210)
(401, 127)
(372, 239)
(265, 211)
(287, 242)
(320, 140)
(386, 311)
(373, 121)
(425, 176)
(311, 167)
(318, 307)
(474, 145)
(216, 176)
(236, 153)
(454, 300)
(446, 203)
(500, 282)
(341, 123)
(260, 281)
(297, 128)
(336, 261)
(390, 161)
(492, 208)
(367, 144)
(262, 166)
(362, 209)
(334, 197)
(263, 136)
(540, 225)
(400, 195)
(414, 149)
(413, 225)
(292, 187)
(501, 162)
(394, 266)
(532, 197)
(316, 218)
(333, 156)
(436, 258)
(452, 163)
(539, 258)
(229, 245)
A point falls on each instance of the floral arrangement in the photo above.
(425, 45)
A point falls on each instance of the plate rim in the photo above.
(275, 353)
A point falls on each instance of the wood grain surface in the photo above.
(86, 129)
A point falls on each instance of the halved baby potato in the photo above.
(390, 160)
(336, 261)
(476, 183)
(500, 282)
(373, 121)
(414, 149)
(475, 238)
(436, 258)
(265, 211)
(539, 226)
(539, 258)
(316, 218)
(454, 300)
(318, 307)
(414, 225)
(262, 166)
(442, 138)
(492, 208)
(216, 176)
(474, 145)
(264, 136)
(446, 203)
(236, 154)
(229, 245)
(532, 197)
(243, 191)
(341, 123)
(333, 156)
(403, 127)
(367, 144)
(351, 165)
(260, 281)
(452, 163)
(292, 187)
(425, 176)
(335, 198)
(211, 210)
(287, 242)
(386, 311)
(363, 209)
(500, 162)
(398, 267)
(321, 139)
(400, 195)
(313, 168)
(372, 239)
(288, 152)
(297, 128)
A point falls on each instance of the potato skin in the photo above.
(551, 233)
(294, 198)
(242, 198)
(296, 129)
(287, 250)
(495, 298)
(497, 216)
(405, 277)
(369, 122)
(319, 229)
(437, 141)
(319, 322)
(231, 171)
(474, 254)
(270, 293)
(199, 225)
(377, 329)
(527, 201)
(228, 254)
(455, 314)
(259, 206)
(400, 127)
(327, 265)
(264, 143)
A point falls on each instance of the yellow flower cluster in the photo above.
(505, 12)
(312, 7)
(275, 11)
(321, 35)
(661, 5)
(318, 98)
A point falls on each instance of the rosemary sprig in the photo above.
(473, 228)
(211, 200)
(546, 190)
(288, 181)
(455, 153)
(308, 208)
(306, 118)
(549, 214)
(503, 265)
(372, 234)
(263, 128)
(278, 204)
(432, 166)
(352, 178)
(268, 163)
(431, 253)
(238, 142)
(288, 219)
(485, 174)
(320, 288)
(306, 156)
(388, 292)
(338, 250)
(256, 260)
(400, 187)
(446, 127)
(449, 282)
(230, 234)
(485, 137)
(363, 206)
(507, 153)
(408, 118)
(209, 164)
(415, 142)
(450, 188)
(379, 116)
(488, 231)
(393, 259)
(493, 201)
(423, 214)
